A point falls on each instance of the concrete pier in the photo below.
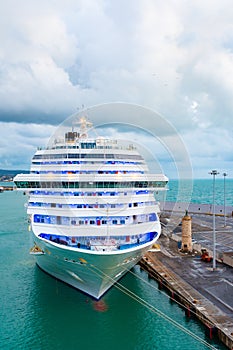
(195, 304)
(203, 292)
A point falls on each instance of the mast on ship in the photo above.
(84, 126)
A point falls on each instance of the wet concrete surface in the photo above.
(216, 285)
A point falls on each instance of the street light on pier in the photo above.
(214, 173)
(224, 178)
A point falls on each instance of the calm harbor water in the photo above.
(201, 191)
(39, 312)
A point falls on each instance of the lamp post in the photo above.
(107, 222)
(224, 178)
(214, 173)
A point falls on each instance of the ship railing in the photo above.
(41, 148)
(105, 243)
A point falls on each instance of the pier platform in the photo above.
(203, 292)
(194, 302)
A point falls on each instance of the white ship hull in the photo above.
(92, 208)
(91, 272)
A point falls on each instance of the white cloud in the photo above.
(174, 57)
(18, 143)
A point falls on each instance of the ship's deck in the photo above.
(100, 243)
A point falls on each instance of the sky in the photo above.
(173, 58)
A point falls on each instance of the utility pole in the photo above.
(214, 173)
(224, 179)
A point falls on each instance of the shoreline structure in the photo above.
(203, 292)
(195, 208)
(195, 304)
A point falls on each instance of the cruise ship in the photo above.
(92, 208)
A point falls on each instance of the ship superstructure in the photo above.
(92, 208)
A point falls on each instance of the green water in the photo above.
(39, 312)
(201, 191)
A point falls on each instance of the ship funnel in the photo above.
(71, 136)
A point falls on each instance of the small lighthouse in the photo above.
(186, 233)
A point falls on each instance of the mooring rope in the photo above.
(150, 307)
